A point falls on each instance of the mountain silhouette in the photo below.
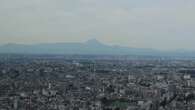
(93, 47)
(93, 42)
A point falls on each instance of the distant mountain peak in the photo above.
(93, 42)
(91, 46)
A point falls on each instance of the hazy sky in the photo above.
(161, 24)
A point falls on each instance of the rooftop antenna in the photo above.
(94, 70)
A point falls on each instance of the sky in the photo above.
(157, 24)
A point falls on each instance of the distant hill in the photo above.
(92, 47)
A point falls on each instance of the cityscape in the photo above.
(87, 82)
(97, 55)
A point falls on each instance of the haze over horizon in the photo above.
(157, 24)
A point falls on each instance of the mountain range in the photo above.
(91, 47)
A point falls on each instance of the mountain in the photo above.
(93, 47)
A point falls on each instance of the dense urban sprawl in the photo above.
(32, 82)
